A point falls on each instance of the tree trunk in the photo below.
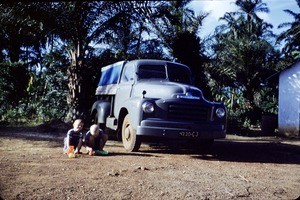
(75, 98)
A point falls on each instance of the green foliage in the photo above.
(13, 82)
(268, 100)
(236, 106)
(43, 59)
(44, 93)
(187, 49)
(171, 21)
(291, 36)
(22, 36)
(248, 60)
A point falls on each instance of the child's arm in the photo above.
(69, 137)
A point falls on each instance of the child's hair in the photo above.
(94, 129)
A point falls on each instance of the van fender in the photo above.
(100, 111)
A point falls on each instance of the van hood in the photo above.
(166, 90)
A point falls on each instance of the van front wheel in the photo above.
(131, 141)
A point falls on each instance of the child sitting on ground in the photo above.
(95, 140)
(74, 137)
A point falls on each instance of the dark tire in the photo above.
(131, 141)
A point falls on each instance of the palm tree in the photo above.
(177, 27)
(127, 28)
(291, 36)
(171, 18)
(243, 51)
(21, 37)
(249, 9)
(245, 21)
(81, 26)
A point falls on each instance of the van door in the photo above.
(125, 87)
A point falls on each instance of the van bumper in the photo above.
(183, 130)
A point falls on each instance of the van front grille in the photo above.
(188, 112)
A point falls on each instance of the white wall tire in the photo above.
(131, 141)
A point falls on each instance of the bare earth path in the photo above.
(33, 167)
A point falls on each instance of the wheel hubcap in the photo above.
(127, 133)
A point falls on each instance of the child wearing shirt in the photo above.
(95, 140)
(74, 137)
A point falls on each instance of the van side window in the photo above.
(128, 73)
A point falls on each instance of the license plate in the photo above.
(193, 134)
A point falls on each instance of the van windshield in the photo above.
(152, 71)
(173, 72)
(178, 73)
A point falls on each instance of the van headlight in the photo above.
(220, 112)
(148, 107)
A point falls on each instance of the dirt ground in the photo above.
(33, 167)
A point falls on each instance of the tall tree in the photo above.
(291, 36)
(21, 43)
(171, 18)
(177, 27)
(21, 36)
(76, 29)
(81, 25)
(128, 28)
(243, 50)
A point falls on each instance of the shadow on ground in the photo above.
(253, 151)
(260, 150)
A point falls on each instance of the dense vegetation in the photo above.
(52, 53)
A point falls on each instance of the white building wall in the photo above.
(289, 102)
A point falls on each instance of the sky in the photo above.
(218, 8)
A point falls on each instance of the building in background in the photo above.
(289, 101)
